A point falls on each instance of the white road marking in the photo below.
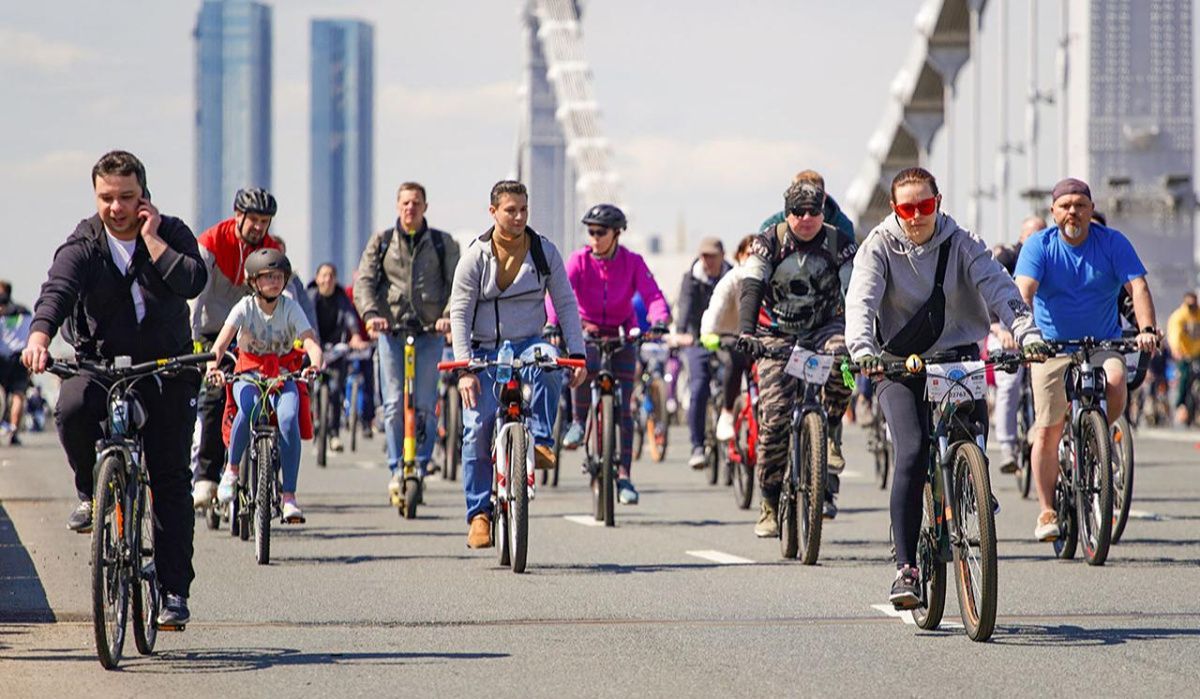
(906, 616)
(854, 475)
(585, 520)
(720, 557)
(1168, 435)
(1142, 514)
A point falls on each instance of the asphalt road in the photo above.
(679, 599)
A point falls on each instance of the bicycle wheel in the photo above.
(110, 580)
(656, 420)
(518, 498)
(322, 424)
(637, 408)
(264, 498)
(786, 513)
(1093, 488)
(712, 450)
(212, 516)
(743, 490)
(352, 418)
(412, 497)
(500, 521)
(608, 460)
(1024, 472)
(145, 591)
(810, 499)
(454, 434)
(928, 614)
(561, 418)
(882, 451)
(1122, 475)
(1068, 532)
(975, 549)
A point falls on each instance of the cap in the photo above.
(1070, 185)
(803, 195)
(712, 246)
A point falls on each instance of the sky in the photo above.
(710, 106)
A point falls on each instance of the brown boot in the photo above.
(480, 535)
(543, 458)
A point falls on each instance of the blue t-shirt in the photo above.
(1078, 286)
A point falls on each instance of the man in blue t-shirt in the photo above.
(1071, 273)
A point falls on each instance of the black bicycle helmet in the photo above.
(255, 200)
(266, 259)
(605, 215)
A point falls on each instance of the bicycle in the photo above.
(122, 548)
(512, 449)
(325, 403)
(712, 411)
(958, 524)
(1025, 416)
(1083, 494)
(256, 498)
(450, 409)
(352, 409)
(1121, 432)
(739, 454)
(802, 499)
(650, 402)
(879, 443)
(742, 450)
(562, 421)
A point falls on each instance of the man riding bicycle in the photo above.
(1183, 337)
(792, 293)
(1071, 274)
(695, 292)
(604, 277)
(499, 294)
(404, 280)
(120, 284)
(337, 322)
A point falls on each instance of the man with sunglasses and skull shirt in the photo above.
(793, 289)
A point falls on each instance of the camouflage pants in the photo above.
(778, 393)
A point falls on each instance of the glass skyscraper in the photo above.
(233, 105)
(343, 132)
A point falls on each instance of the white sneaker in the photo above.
(227, 486)
(292, 513)
(725, 426)
(335, 445)
(203, 493)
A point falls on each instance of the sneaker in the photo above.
(626, 493)
(905, 589)
(697, 460)
(395, 484)
(725, 431)
(80, 519)
(1047, 526)
(768, 524)
(830, 509)
(480, 534)
(543, 458)
(574, 436)
(14, 440)
(174, 612)
(335, 445)
(833, 457)
(1008, 458)
(228, 485)
(292, 514)
(203, 493)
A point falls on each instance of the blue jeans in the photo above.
(287, 415)
(479, 424)
(391, 378)
(698, 385)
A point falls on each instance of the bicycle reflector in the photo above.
(914, 364)
(605, 382)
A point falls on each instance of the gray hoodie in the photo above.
(893, 278)
(481, 313)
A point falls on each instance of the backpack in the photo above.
(540, 264)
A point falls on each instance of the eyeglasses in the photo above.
(810, 211)
(598, 232)
(925, 207)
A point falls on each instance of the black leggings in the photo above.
(736, 371)
(907, 414)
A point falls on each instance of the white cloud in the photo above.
(468, 103)
(32, 51)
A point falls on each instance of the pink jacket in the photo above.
(605, 288)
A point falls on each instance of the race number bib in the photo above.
(963, 382)
(810, 366)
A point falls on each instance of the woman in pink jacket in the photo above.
(605, 277)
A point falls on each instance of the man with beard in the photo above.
(1071, 274)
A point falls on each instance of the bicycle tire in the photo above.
(500, 537)
(1068, 533)
(263, 498)
(518, 498)
(245, 493)
(656, 420)
(743, 486)
(1122, 434)
(412, 497)
(110, 583)
(608, 464)
(550, 476)
(454, 434)
(1095, 514)
(1024, 474)
(352, 418)
(712, 451)
(977, 584)
(322, 424)
(640, 419)
(811, 498)
(881, 451)
(146, 601)
(212, 516)
(928, 615)
(789, 544)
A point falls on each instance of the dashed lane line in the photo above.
(585, 520)
(720, 557)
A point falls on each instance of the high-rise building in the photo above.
(233, 104)
(343, 133)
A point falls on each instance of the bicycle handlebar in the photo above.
(65, 369)
(478, 365)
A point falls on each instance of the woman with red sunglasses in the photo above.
(922, 284)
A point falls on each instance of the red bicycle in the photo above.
(742, 450)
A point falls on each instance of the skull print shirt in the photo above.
(796, 287)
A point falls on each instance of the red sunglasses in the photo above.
(925, 207)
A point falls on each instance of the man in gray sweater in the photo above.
(499, 292)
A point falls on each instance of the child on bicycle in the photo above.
(605, 277)
(266, 325)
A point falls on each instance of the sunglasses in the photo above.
(810, 211)
(598, 232)
(925, 207)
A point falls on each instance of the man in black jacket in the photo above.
(121, 283)
(694, 294)
(337, 323)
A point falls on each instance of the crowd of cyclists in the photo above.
(130, 281)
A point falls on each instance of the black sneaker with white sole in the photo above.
(906, 588)
(80, 519)
(174, 615)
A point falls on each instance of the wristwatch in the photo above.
(1151, 329)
